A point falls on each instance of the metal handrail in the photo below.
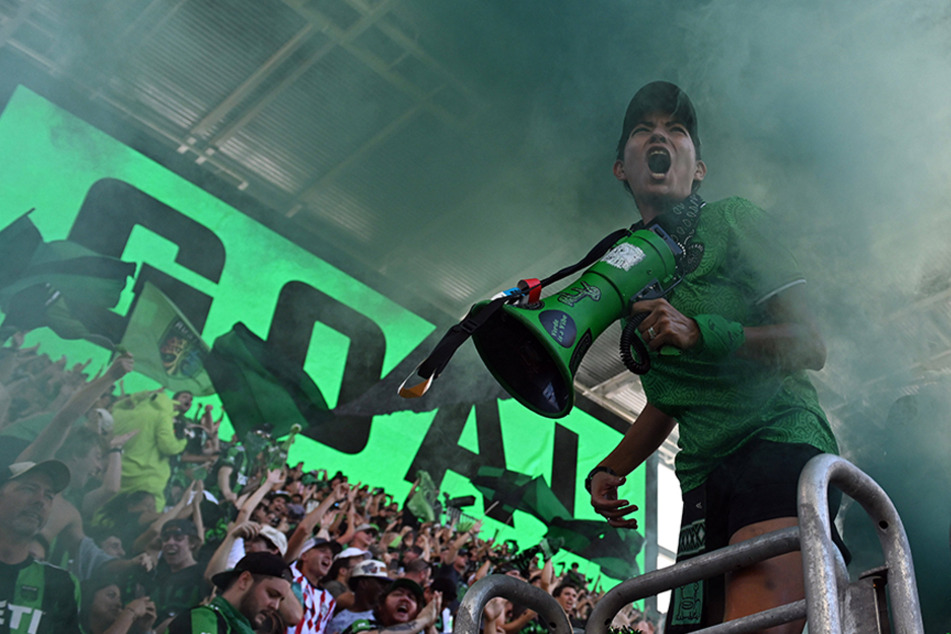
(469, 615)
(718, 562)
(826, 580)
(824, 590)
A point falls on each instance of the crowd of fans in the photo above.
(165, 526)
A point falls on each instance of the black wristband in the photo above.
(598, 469)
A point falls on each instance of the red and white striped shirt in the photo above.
(318, 605)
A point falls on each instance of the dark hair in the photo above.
(417, 565)
(89, 588)
(562, 587)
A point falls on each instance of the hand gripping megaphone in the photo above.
(533, 349)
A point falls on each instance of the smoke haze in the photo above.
(833, 115)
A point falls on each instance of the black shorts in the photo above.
(758, 483)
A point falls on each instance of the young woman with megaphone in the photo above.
(749, 417)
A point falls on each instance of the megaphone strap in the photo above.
(594, 254)
(430, 368)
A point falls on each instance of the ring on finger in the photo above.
(650, 333)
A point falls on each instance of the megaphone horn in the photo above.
(534, 349)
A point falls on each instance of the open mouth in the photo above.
(658, 161)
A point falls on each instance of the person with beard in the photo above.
(179, 581)
(740, 338)
(249, 600)
(400, 610)
(307, 573)
(34, 596)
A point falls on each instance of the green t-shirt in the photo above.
(218, 617)
(721, 404)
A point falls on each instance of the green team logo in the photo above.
(181, 350)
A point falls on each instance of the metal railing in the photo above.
(833, 604)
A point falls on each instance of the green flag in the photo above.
(165, 345)
(259, 389)
(426, 495)
(614, 549)
(60, 284)
(513, 491)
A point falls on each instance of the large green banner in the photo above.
(221, 268)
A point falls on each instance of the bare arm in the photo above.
(517, 624)
(548, 576)
(51, 438)
(155, 528)
(481, 572)
(306, 526)
(353, 521)
(460, 541)
(291, 610)
(251, 502)
(224, 483)
(219, 560)
(641, 439)
(111, 479)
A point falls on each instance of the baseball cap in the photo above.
(276, 537)
(369, 568)
(179, 527)
(366, 527)
(409, 584)
(351, 551)
(320, 541)
(665, 97)
(56, 470)
(267, 564)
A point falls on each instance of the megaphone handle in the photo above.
(630, 339)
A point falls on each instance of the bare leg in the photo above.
(768, 584)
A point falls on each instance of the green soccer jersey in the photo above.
(722, 403)
(38, 598)
(218, 617)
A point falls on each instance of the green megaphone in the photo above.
(533, 350)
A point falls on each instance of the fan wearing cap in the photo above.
(34, 596)
(244, 538)
(308, 572)
(400, 609)
(749, 418)
(367, 580)
(178, 583)
(364, 535)
(250, 599)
